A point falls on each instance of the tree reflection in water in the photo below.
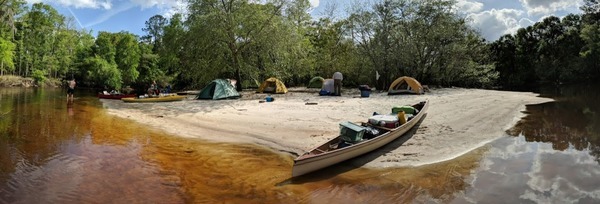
(572, 121)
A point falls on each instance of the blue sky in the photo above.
(492, 18)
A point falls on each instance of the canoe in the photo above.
(154, 99)
(115, 96)
(188, 93)
(328, 153)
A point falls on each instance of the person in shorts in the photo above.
(71, 89)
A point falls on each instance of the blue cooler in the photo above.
(365, 90)
(365, 93)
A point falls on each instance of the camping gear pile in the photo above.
(398, 116)
(328, 88)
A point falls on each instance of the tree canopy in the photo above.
(251, 41)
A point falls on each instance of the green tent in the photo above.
(218, 89)
(316, 82)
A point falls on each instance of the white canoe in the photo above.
(328, 154)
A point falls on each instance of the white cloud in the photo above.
(495, 23)
(110, 13)
(314, 3)
(468, 6)
(108, 4)
(544, 7)
(167, 7)
(158, 3)
(569, 176)
(94, 4)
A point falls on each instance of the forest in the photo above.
(239, 39)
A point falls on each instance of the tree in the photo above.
(171, 52)
(423, 39)
(591, 51)
(332, 51)
(6, 56)
(155, 31)
(228, 28)
(103, 72)
(372, 31)
(127, 56)
(9, 9)
(591, 10)
(589, 33)
(148, 67)
(39, 37)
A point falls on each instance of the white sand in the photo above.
(458, 121)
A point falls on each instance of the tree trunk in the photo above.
(238, 75)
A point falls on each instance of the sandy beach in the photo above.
(458, 120)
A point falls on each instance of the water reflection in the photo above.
(553, 156)
(58, 152)
(573, 121)
(518, 171)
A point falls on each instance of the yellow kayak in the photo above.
(154, 99)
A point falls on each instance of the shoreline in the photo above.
(458, 121)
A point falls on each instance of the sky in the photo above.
(492, 18)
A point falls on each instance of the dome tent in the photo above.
(272, 85)
(405, 85)
(218, 89)
(316, 82)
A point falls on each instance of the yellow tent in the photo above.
(405, 85)
(272, 85)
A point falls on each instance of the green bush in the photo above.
(39, 76)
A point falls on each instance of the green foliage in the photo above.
(148, 65)
(9, 9)
(39, 76)
(249, 42)
(170, 52)
(155, 27)
(422, 39)
(551, 51)
(127, 56)
(6, 55)
(102, 71)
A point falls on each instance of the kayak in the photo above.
(154, 99)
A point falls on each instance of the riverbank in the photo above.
(458, 121)
(17, 81)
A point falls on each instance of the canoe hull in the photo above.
(153, 100)
(119, 96)
(306, 164)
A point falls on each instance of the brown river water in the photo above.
(53, 152)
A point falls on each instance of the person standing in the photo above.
(337, 83)
(153, 90)
(71, 90)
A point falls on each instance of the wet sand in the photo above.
(458, 121)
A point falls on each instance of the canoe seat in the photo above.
(317, 151)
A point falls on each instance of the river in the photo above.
(54, 152)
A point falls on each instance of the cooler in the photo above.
(351, 132)
(388, 121)
(365, 93)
